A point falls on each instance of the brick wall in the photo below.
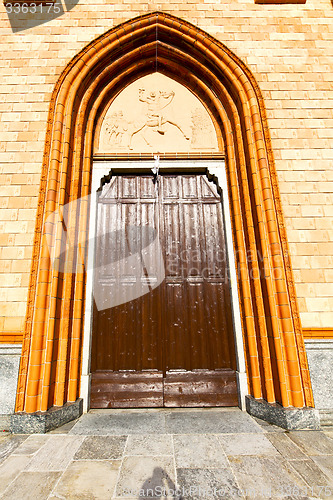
(289, 49)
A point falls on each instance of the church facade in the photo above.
(166, 209)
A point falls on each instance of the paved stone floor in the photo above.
(174, 454)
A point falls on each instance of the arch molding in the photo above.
(274, 348)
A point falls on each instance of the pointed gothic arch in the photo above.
(275, 354)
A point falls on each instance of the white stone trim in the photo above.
(312, 344)
(11, 349)
(10, 355)
(242, 382)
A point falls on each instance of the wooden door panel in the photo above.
(176, 336)
(128, 336)
(200, 388)
(126, 389)
(173, 345)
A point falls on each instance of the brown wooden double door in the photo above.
(162, 323)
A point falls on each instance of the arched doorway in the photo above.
(274, 349)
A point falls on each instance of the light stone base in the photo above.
(42, 422)
(326, 417)
(9, 365)
(4, 422)
(320, 358)
(288, 418)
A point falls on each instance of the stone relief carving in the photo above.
(157, 114)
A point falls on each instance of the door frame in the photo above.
(211, 167)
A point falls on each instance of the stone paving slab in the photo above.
(313, 443)
(325, 463)
(8, 444)
(247, 444)
(120, 454)
(145, 476)
(10, 469)
(145, 445)
(101, 448)
(196, 422)
(55, 454)
(328, 430)
(196, 484)
(199, 451)
(262, 476)
(31, 444)
(286, 446)
(311, 473)
(32, 486)
(88, 479)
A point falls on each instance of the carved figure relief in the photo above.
(156, 114)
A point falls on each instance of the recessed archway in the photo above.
(51, 356)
